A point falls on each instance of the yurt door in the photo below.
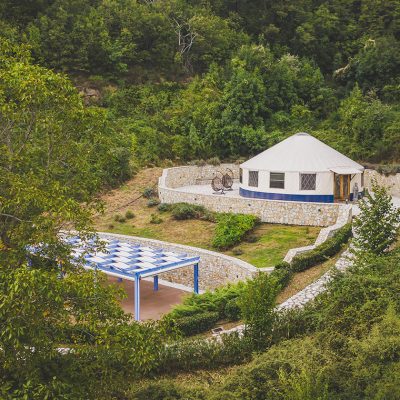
(342, 187)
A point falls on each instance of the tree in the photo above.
(257, 304)
(377, 226)
(54, 158)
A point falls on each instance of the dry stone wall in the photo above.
(392, 182)
(193, 175)
(215, 269)
(279, 212)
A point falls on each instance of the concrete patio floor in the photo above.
(153, 305)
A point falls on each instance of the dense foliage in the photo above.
(193, 80)
(55, 155)
(231, 229)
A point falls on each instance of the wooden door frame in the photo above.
(341, 195)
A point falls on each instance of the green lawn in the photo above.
(273, 243)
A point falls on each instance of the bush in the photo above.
(209, 301)
(153, 203)
(323, 252)
(257, 303)
(155, 219)
(129, 214)
(215, 161)
(119, 218)
(164, 207)
(283, 274)
(231, 228)
(232, 310)
(190, 355)
(149, 192)
(192, 324)
(182, 211)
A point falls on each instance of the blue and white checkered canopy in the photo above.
(130, 261)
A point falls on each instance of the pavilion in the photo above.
(134, 262)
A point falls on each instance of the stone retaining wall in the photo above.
(270, 211)
(193, 175)
(392, 182)
(215, 269)
(344, 217)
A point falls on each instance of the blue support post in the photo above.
(137, 297)
(196, 278)
(155, 283)
(119, 279)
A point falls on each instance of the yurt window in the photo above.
(240, 175)
(308, 181)
(277, 180)
(253, 178)
(362, 179)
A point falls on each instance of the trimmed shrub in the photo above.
(282, 274)
(191, 355)
(182, 211)
(153, 203)
(209, 301)
(323, 252)
(231, 229)
(232, 310)
(149, 192)
(192, 324)
(164, 207)
(129, 214)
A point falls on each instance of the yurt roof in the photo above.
(302, 153)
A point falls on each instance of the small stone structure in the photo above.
(392, 182)
(215, 269)
(180, 184)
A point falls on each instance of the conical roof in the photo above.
(301, 153)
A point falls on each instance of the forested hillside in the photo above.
(189, 79)
(92, 90)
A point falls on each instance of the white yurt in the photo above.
(301, 168)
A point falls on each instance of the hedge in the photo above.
(231, 229)
(323, 252)
(282, 273)
(197, 323)
(181, 211)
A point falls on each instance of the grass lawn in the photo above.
(272, 241)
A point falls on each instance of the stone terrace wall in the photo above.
(392, 181)
(344, 217)
(280, 212)
(194, 175)
(215, 269)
